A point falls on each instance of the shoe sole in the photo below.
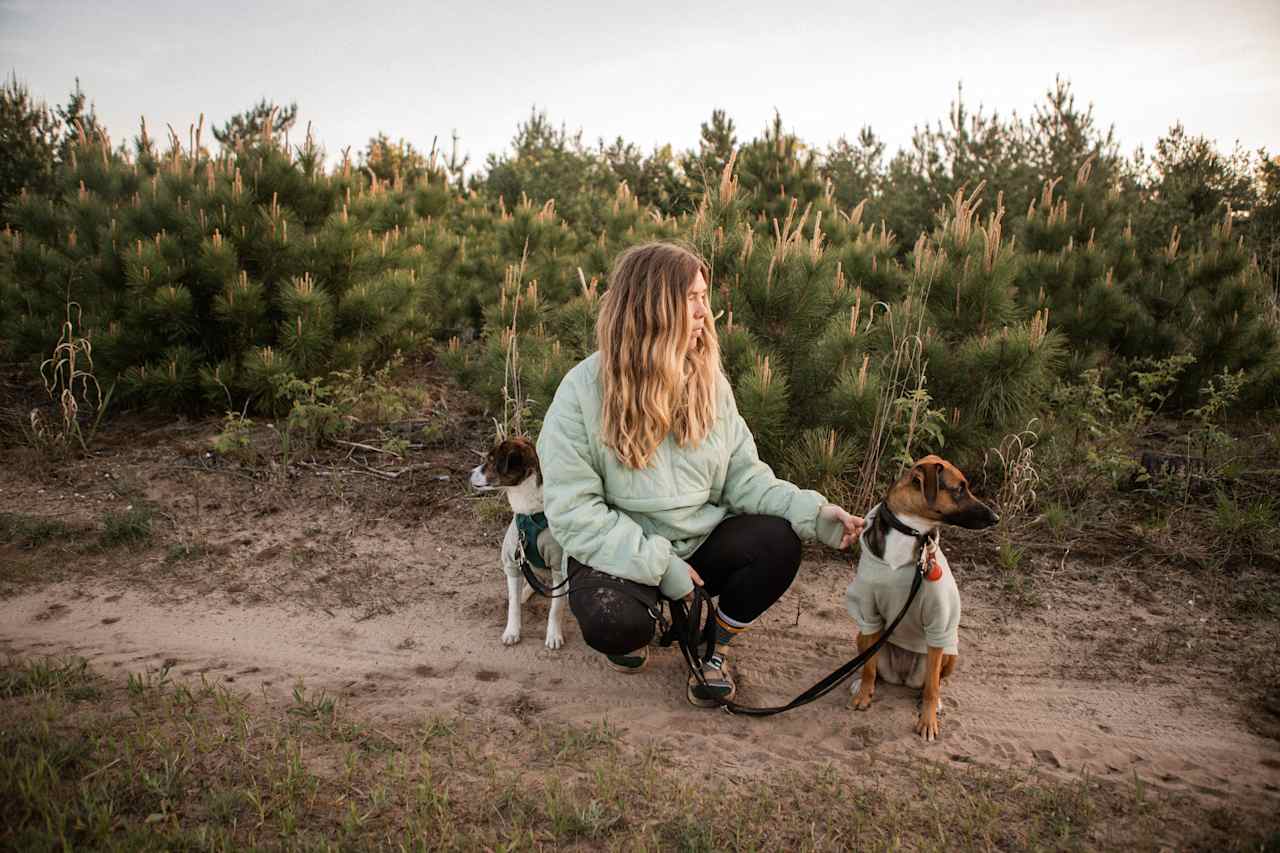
(700, 702)
(628, 670)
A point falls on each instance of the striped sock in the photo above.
(727, 627)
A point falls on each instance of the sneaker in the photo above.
(719, 684)
(633, 662)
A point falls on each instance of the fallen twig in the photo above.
(334, 471)
(368, 447)
(93, 773)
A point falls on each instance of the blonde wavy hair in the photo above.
(655, 383)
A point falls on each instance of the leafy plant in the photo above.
(236, 437)
(316, 416)
(1218, 394)
(373, 397)
(1099, 421)
(916, 424)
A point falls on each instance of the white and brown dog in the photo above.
(512, 466)
(924, 648)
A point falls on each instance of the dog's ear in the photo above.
(926, 477)
(505, 457)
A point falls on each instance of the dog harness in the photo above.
(529, 527)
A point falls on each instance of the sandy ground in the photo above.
(389, 593)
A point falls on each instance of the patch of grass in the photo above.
(196, 766)
(1165, 645)
(140, 683)
(437, 727)
(492, 509)
(1252, 520)
(436, 430)
(572, 743)
(179, 551)
(1010, 556)
(1016, 582)
(131, 527)
(1057, 518)
(69, 678)
(1256, 600)
(320, 707)
(32, 531)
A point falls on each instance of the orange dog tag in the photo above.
(932, 568)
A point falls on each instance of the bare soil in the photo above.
(389, 593)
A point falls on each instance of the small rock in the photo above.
(1047, 756)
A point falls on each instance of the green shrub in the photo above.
(130, 527)
(255, 280)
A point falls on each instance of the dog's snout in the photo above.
(478, 479)
(975, 516)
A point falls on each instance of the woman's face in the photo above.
(699, 308)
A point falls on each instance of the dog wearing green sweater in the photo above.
(512, 466)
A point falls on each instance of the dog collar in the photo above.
(901, 526)
(926, 543)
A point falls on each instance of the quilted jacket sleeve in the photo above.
(750, 486)
(588, 529)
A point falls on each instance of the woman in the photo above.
(651, 477)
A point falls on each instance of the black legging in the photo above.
(748, 560)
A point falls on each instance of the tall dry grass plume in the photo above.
(1015, 467)
(904, 370)
(514, 404)
(68, 378)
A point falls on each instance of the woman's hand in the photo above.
(697, 581)
(852, 524)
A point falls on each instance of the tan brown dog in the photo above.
(924, 648)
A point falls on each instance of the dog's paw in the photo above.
(554, 639)
(511, 636)
(927, 724)
(862, 697)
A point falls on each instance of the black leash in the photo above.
(538, 586)
(654, 607)
(685, 624)
(693, 628)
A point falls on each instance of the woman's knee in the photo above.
(779, 544)
(611, 620)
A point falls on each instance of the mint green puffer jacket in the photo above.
(641, 524)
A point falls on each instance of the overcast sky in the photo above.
(652, 71)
